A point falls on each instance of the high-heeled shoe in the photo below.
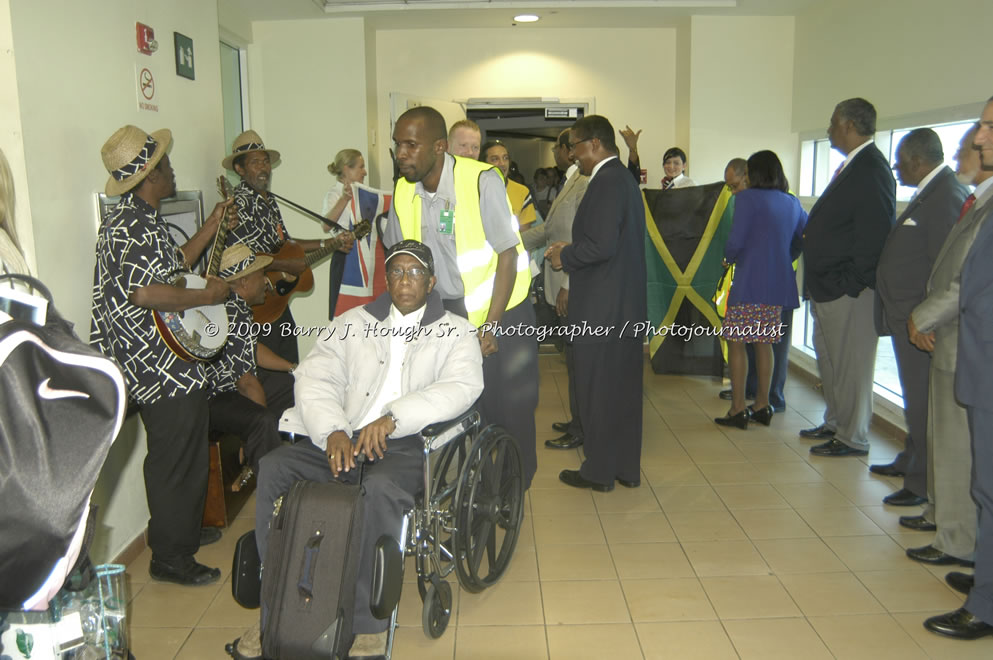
(762, 415)
(740, 419)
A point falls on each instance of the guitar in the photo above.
(284, 285)
(198, 333)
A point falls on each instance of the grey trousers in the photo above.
(980, 600)
(390, 486)
(912, 365)
(950, 504)
(845, 342)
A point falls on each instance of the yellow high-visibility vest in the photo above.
(477, 262)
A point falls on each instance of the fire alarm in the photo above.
(146, 39)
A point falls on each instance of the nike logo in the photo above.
(46, 392)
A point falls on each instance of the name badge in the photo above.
(446, 222)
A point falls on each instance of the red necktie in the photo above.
(838, 171)
(966, 205)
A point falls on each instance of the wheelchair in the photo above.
(466, 521)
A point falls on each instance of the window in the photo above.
(232, 93)
(818, 162)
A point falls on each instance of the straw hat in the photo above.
(130, 154)
(246, 143)
(238, 261)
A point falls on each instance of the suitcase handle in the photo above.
(305, 585)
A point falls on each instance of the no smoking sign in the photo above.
(145, 87)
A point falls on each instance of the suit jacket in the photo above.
(557, 227)
(912, 247)
(939, 311)
(765, 237)
(973, 376)
(606, 259)
(847, 227)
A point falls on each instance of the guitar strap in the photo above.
(303, 209)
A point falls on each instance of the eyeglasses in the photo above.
(415, 273)
(572, 145)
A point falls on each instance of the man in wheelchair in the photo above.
(386, 370)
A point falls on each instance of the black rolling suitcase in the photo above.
(311, 563)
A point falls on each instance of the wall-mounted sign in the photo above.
(184, 56)
(145, 87)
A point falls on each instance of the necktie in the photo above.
(666, 183)
(966, 205)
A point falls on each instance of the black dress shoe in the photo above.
(960, 624)
(725, 395)
(762, 415)
(740, 419)
(836, 448)
(576, 480)
(960, 582)
(918, 524)
(904, 497)
(817, 433)
(566, 441)
(629, 484)
(887, 470)
(932, 555)
(561, 427)
(209, 535)
(183, 571)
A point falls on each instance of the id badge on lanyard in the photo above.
(446, 221)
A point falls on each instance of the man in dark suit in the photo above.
(846, 230)
(901, 283)
(973, 384)
(606, 266)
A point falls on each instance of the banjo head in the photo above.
(202, 331)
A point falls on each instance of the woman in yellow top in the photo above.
(521, 203)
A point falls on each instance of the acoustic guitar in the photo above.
(198, 333)
(285, 285)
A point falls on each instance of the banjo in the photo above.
(198, 333)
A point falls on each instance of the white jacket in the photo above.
(442, 373)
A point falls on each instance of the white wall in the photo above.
(12, 135)
(75, 80)
(741, 92)
(905, 56)
(308, 101)
(629, 72)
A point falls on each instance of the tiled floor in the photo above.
(739, 544)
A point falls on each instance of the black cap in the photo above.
(417, 250)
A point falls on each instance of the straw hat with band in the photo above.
(246, 143)
(130, 154)
(238, 261)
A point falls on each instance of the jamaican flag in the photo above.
(687, 230)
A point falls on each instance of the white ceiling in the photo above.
(558, 15)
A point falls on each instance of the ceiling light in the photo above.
(527, 18)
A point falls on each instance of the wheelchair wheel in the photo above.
(489, 506)
(437, 609)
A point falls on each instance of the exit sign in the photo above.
(184, 56)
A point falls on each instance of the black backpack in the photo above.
(62, 405)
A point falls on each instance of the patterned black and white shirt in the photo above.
(260, 224)
(134, 249)
(238, 357)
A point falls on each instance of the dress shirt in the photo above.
(596, 168)
(854, 152)
(927, 179)
(392, 386)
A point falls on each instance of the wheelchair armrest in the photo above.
(440, 427)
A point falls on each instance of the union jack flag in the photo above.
(360, 277)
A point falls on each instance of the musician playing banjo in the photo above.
(261, 228)
(136, 261)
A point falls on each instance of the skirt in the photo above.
(753, 324)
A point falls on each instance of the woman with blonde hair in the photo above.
(11, 258)
(348, 168)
